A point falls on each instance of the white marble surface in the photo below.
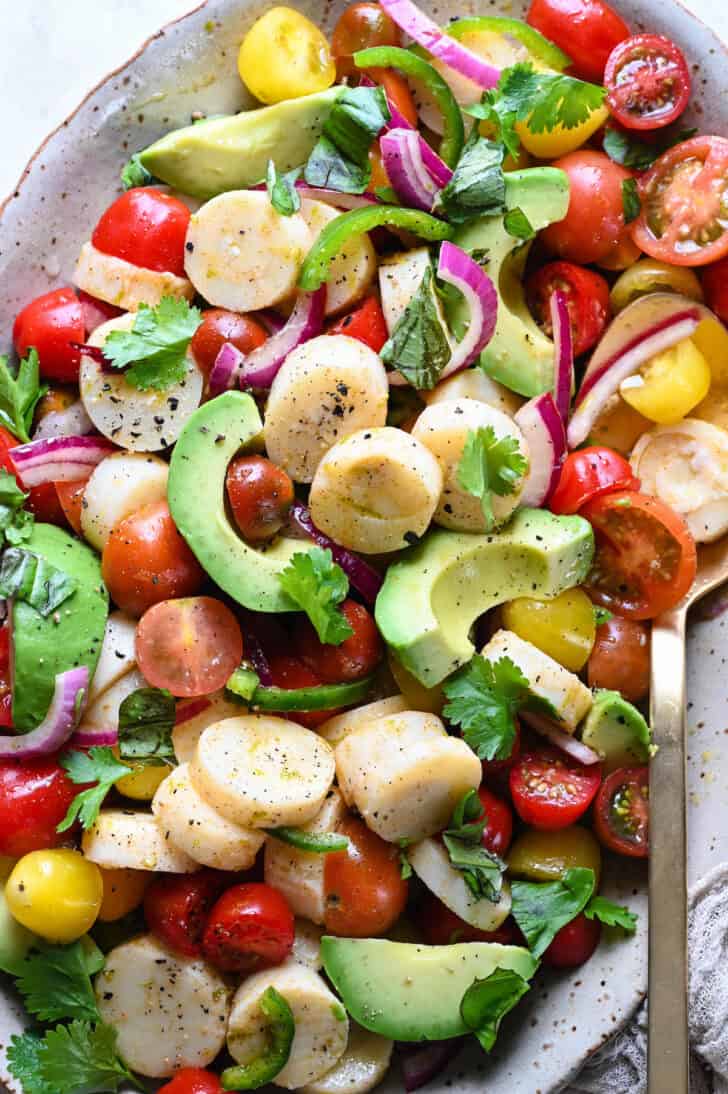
(52, 52)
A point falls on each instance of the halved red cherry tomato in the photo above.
(190, 646)
(177, 907)
(289, 672)
(684, 218)
(147, 228)
(260, 495)
(550, 790)
(366, 324)
(594, 223)
(574, 944)
(365, 891)
(498, 831)
(192, 1080)
(647, 81)
(219, 326)
(587, 298)
(645, 557)
(588, 30)
(357, 655)
(441, 927)
(622, 812)
(250, 927)
(361, 26)
(620, 659)
(51, 323)
(34, 799)
(70, 497)
(589, 473)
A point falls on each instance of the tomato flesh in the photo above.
(622, 812)
(550, 790)
(177, 906)
(192, 1080)
(51, 323)
(589, 473)
(365, 893)
(190, 646)
(34, 799)
(645, 560)
(587, 298)
(219, 326)
(250, 927)
(366, 323)
(147, 228)
(357, 655)
(588, 30)
(648, 82)
(574, 944)
(260, 495)
(620, 660)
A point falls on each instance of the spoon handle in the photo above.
(669, 1048)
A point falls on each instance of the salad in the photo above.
(337, 493)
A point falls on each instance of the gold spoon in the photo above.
(669, 1048)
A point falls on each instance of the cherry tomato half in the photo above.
(441, 927)
(357, 655)
(250, 927)
(587, 298)
(574, 944)
(647, 81)
(645, 557)
(192, 1080)
(51, 323)
(34, 799)
(588, 30)
(177, 907)
(622, 812)
(684, 218)
(365, 893)
(498, 831)
(589, 473)
(550, 790)
(147, 228)
(146, 561)
(715, 286)
(260, 495)
(361, 26)
(594, 223)
(366, 324)
(190, 646)
(219, 326)
(620, 660)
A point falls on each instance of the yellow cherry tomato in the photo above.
(123, 892)
(670, 384)
(649, 275)
(429, 700)
(564, 628)
(283, 56)
(142, 781)
(538, 855)
(56, 893)
(558, 141)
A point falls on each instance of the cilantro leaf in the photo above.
(55, 981)
(16, 523)
(477, 187)
(134, 173)
(20, 392)
(612, 915)
(28, 577)
(79, 1058)
(517, 224)
(541, 909)
(318, 585)
(99, 766)
(24, 1062)
(482, 870)
(631, 152)
(154, 351)
(418, 347)
(284, 196)
(146, 719)
(340, 158)
(602, 615)
(490, 466)
(487, 1001)
(405, 867)
(631, 203)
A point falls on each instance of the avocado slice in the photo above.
(196, 494)
(410, 992)
(433, 595)
(232, 152)
(518, 355)
(70, 637)
(617, 731)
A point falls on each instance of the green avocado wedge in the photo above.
(518, 355)
(433, 595)
(214, 434)
(232, 152)
(410, 992)
(69, 637)
(617, 731)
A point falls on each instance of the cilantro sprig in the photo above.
(318, 585)
(611, 915)
(68, 1059)
(153, 353)
(463, 839)
(20, 392)
(55, 981)
(98, 766)
(490, 466)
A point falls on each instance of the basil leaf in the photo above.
(517, 224)
(418, 346)
(284, 196)
(340, 158)
(631, 203)
(28, 577)
(146, 720)
(487, 1001)
(541, 909)
(477, 187)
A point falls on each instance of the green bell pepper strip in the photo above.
(244, 683)
(453, 133)
(538, 46)
(281, 1029)
(318, 843)
(316, 268)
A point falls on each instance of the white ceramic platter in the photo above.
(189, 66)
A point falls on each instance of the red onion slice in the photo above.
(259, 368)
(59, 723)
(563, 353)
(59, 459)
(227, 370)
(403, 162)
(426, 33)
(94, 737)
(427, 1061)
(271, 320)
(65, 423)
(462, 272)
(543, 427)
(95, 312)
(563, 741)
(363, 577)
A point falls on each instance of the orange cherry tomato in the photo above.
(361, 26)
(365, 891)
(219, 326)
(620, 659)
(189, 646)
(70, 497)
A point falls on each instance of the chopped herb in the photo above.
(135, 173)
(154, 351)
(20, 392)
(631, 152)
(284, 196)
(16, 523)
(612, 915)
(80, 1057)
(318, 585)
(602, 615)
(488, 466)
(340, 158)
(487, 1001)
(630, 200)
(482, 870)
(541, 909)
(55, 981)
(477, 187)
(517, 224)
(418, 346)
(28, 577)
(146, 720)
(99, 766)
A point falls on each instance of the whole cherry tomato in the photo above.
(498, 830)
(622, 812)
(588, 30)
(250, 927)
(192, 1080)
(589, 473)
(219, 326)
(51, 323)
(594, 223)
(260, 494)
(365, 323)
(620, 660)
(361, 26)
(574, 944)
(177, 907)
(365, 891)
(34, 799)
(147, 228)
(550, 790)
(357, 655)
(587, 298)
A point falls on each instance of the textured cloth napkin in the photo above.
(621, 1066)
